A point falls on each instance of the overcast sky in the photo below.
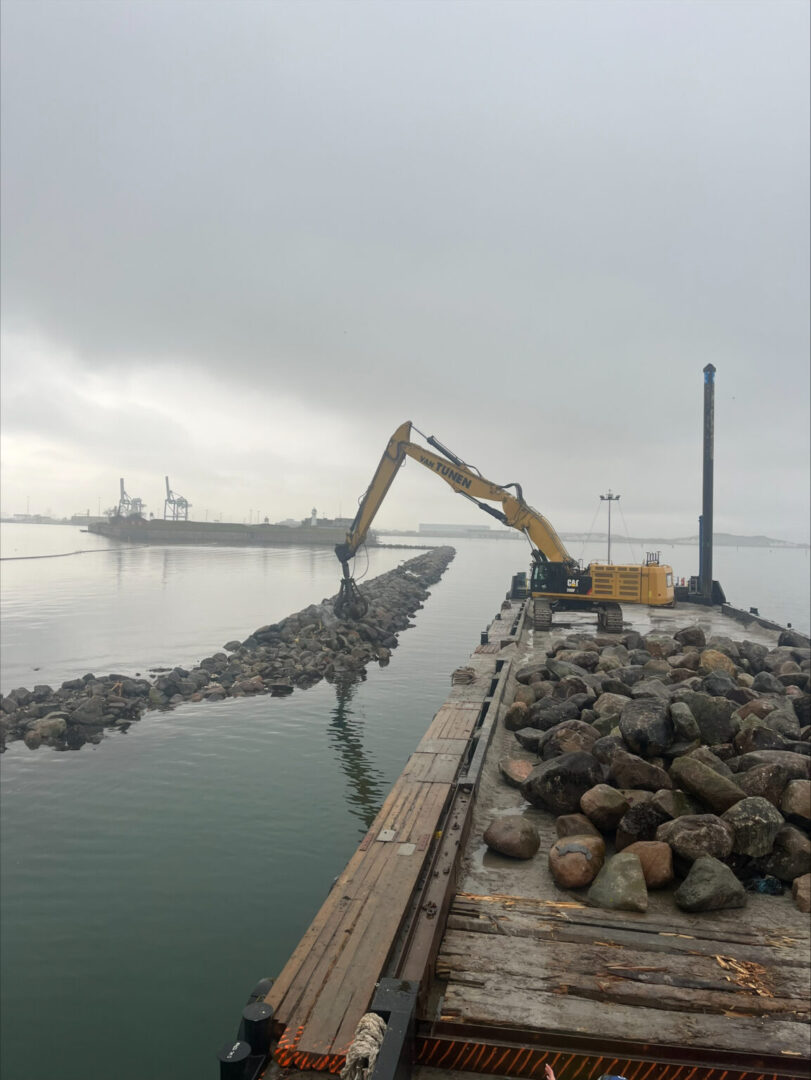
(241, 242)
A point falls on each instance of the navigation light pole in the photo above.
(609, 498)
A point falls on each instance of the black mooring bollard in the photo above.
(255, 1029)
(234, 1058)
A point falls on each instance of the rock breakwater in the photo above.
(690, 757)
(296, 653)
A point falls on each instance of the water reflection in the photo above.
(366, 783)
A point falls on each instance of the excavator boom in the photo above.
(556, 579)
(463, 479)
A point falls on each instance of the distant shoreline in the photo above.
(719, 539)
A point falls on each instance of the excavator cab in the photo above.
(558, 578)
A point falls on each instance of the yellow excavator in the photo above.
(557, 582)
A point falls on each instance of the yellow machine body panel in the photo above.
(631, 583)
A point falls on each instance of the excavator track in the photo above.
(609, 618)
(542, 615)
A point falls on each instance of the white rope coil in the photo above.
(362, 1053)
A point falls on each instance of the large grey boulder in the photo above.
(646, 726)
(610, 704)
(790, 856)
(604, 806)
(753, 653)
(606, 746)
(692, 836)
(531, 739)
(89, 714)
(714, 715)
(718, 792)
(797, 765)
(632, 674)
(560, 783)
(755, 823)
(718, 684)
(530, 672)
(559, 669)
(675, 803)
(660, 646)
(653, 688)
(685, 725)
(767, 683)
(691, 635)
(549, 712)
(710, 886)
(639, 823)
(568, 737)
(50, 727)
(620, 885)
(758, 736)
(617, 687)
(769, 781)
(630, 771)
(707, 757)
(783, 720)
(795, 803)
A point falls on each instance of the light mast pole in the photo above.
(609, 498)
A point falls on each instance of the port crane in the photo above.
(557, 582)
(175, 507)
(129, 507)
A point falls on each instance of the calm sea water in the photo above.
(149, 881)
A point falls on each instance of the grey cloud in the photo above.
(536, 219)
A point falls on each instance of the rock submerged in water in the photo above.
(295, 653)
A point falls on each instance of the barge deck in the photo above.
(482, 964)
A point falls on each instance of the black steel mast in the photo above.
(705, 522)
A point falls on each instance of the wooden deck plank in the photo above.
(501, 953)
(351, 985)
(455, 721)
(363, 867)
(335, 935)
(338, 992)
(433, 768)
(512, 1004)
(352, 891)
(535, 926)
(674, 981)
(428, 745)
(775, 923)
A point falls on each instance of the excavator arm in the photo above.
(465, 480)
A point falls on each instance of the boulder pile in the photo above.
(295, 653)
(691, 758)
